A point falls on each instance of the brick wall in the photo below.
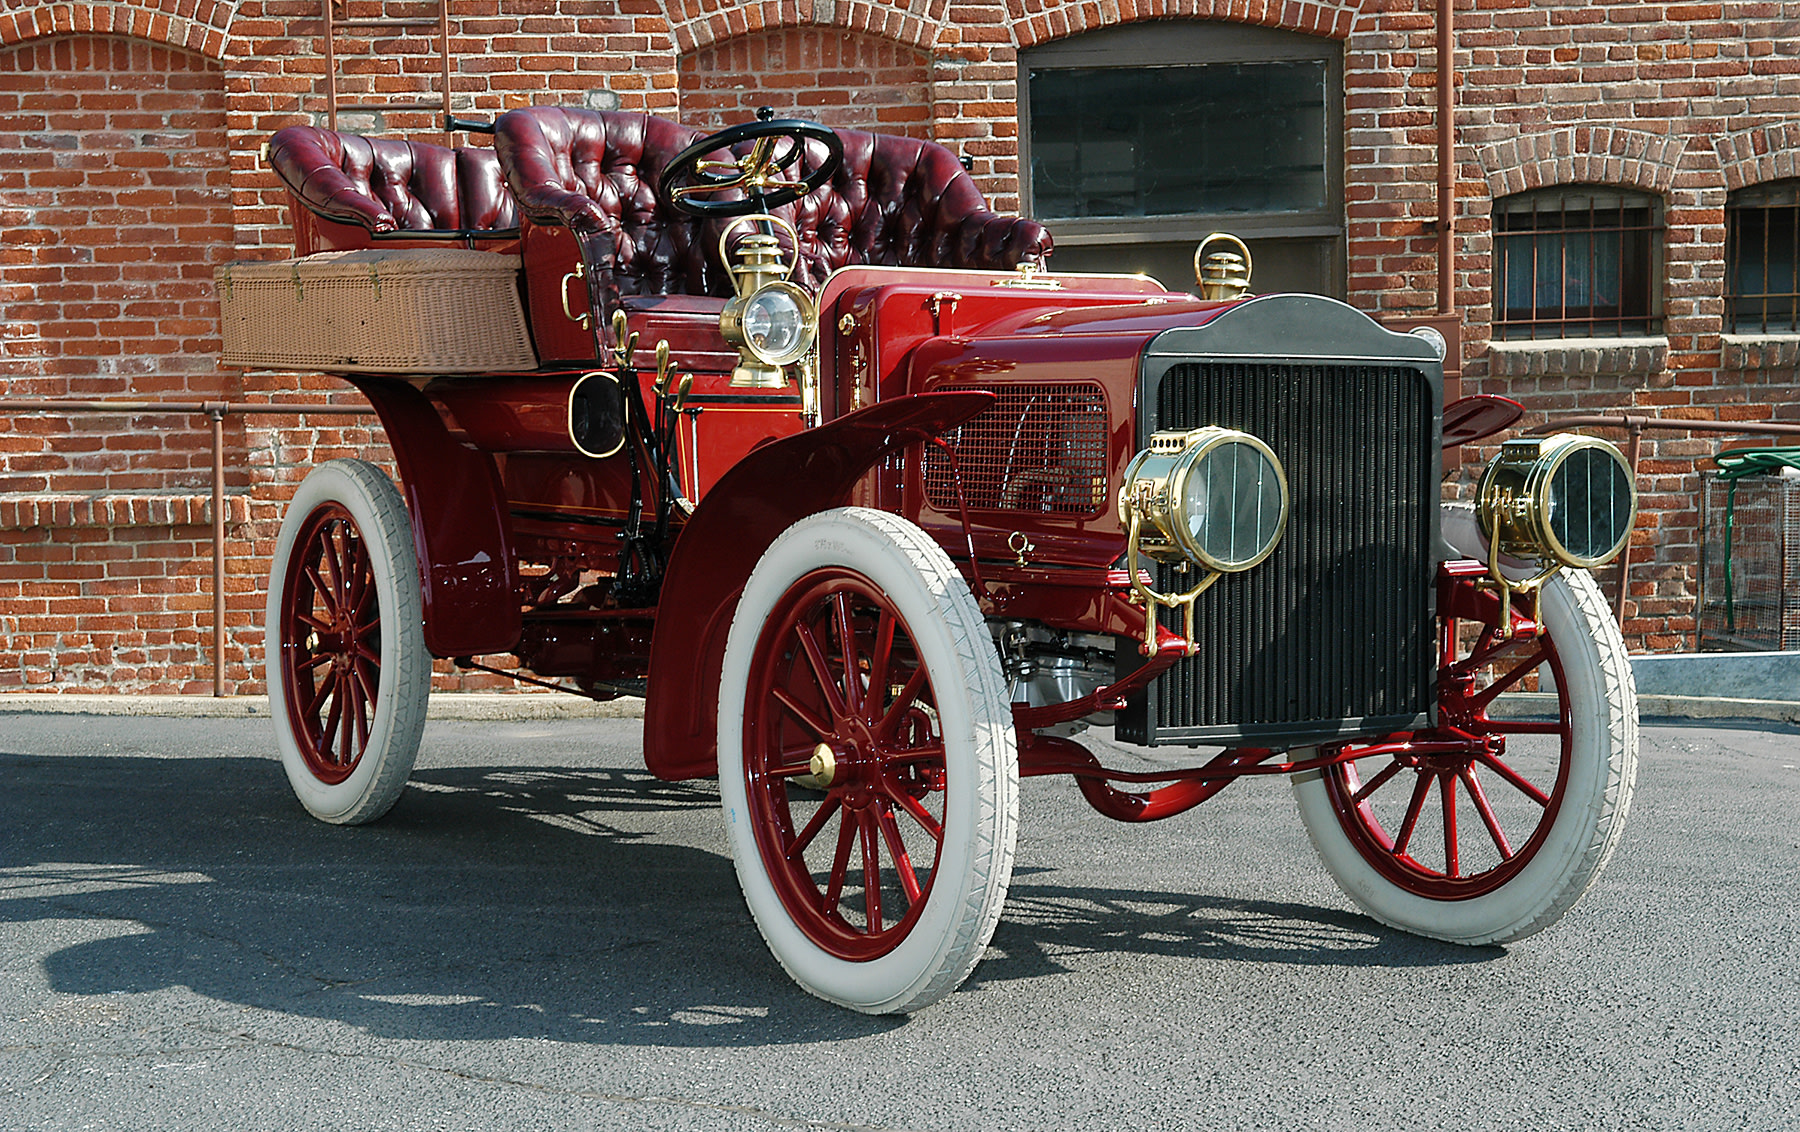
(843, 79)
(116, 207)
(1682, 101)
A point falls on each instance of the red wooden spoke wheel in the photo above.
(841, 705)
(331, 669)
(867, 762)
(1490, 825)
(1460, 809)
(345, 655)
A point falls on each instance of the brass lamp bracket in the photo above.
(1506, 587)
(1142, 594)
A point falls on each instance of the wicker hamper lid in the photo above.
(373, 310)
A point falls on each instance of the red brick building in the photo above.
(1624, 221)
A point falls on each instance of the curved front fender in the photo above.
(764, 494)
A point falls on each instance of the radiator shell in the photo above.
(1333, 635)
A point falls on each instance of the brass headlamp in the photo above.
(1209, 497)
(1563, 500)
(772, 322)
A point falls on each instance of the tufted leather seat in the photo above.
(902, 202)
(596, 172)
(384, 185)
(894, 201)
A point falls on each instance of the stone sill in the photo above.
(1759, 351)
(25, 511)
(1589, 357)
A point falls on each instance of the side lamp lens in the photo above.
(1213, 496)
(772, 323)
(1562, 498)
(776, 324)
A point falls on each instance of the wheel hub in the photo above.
(822, 768)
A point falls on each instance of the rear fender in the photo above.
(461, 530)
(763, 495)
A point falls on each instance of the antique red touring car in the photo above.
(784, 431)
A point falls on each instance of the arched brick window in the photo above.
(838, 77)
(1577, 261)
(1762, 259)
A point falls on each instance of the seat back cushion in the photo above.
(485, 201)
(388, 185)
(904, 202)
(597, 172)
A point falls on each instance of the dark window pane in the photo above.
(1159, 141)
(1574, 264)
(1762, 246)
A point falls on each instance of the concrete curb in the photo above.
(448, 705)
(480, 706)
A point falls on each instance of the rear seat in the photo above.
(349, 191)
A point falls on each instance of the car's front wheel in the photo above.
(1488, 827)
(867, 762)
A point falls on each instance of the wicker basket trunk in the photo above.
(411, 310)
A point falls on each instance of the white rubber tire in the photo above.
(1602, 701)
(981, 760)
(404, 683)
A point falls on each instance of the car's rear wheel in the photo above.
(1488, 827)
(345, 655)
(867, 762)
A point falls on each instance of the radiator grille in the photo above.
(1039, 448)
(1333, 634)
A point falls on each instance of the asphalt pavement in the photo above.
(540, 936)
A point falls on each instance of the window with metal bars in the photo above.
(1576, 262)
(1762, 249)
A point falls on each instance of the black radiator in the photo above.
(1333, 634)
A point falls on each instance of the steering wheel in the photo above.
(758, 173)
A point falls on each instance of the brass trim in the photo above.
(1030, 275)
(580, 272)
(732, 225)
(1152, 492)
(1222, 275)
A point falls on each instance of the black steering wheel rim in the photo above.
(797, 131)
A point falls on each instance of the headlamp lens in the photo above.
(1231, 504)
(1590, 504)
(774, 325)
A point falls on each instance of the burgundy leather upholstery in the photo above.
(386, 185)
(596, 171)
(894, 201)
(903, 202)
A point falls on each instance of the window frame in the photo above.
(1737, 203)
(1589, 326)
(1191, 42)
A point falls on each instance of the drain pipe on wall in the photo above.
(1446, 156)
